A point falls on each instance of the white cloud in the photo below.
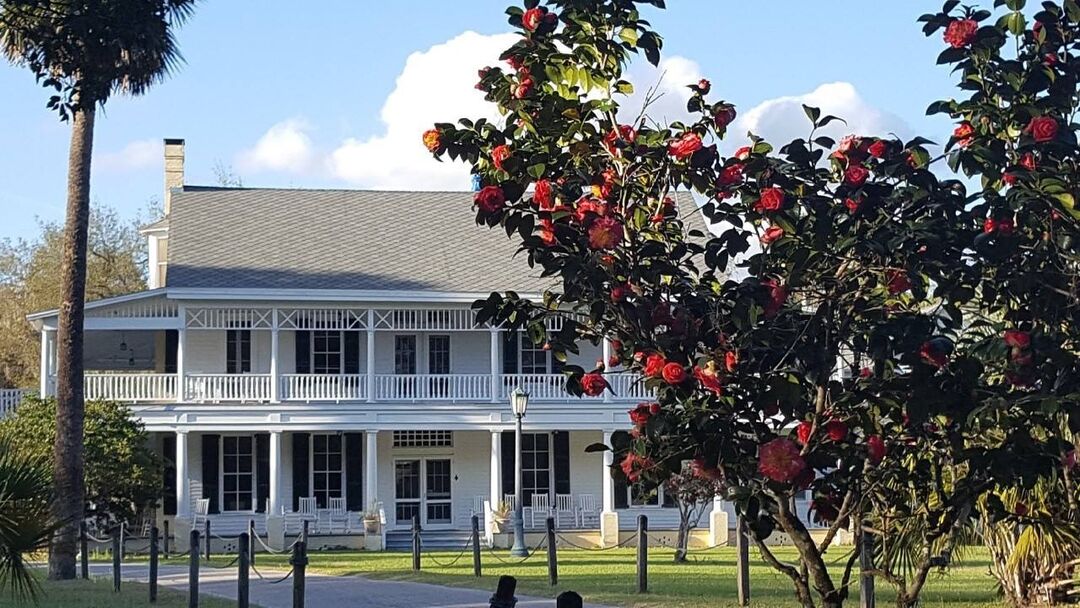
(782, 119)
(434, 86)
(666, 84)
(138, 154)
(285, 147)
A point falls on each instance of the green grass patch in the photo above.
(608, 577)
(99, 594)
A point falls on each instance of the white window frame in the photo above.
(550, 470)
(417, 355)
(254, 474)
(658, 495)
(313, 471)
(430, 351)
(237, 349)
(525, 343)
(340, 350)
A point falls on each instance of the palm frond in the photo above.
(26, 523)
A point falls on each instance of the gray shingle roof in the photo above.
(343, 239)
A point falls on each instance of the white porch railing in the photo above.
(135, 387)
(432, 387)
(626, 385)
(227, 387)
(10, 399)
(323, 387)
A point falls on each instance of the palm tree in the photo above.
(83, 51)
(25, 519)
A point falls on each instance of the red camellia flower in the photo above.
(772, 199)
(963, 133)
(866, 372)
(878, 149)
(586, 207)
(875, 449)
(620, 292)
(624, 133)
(654, 365)
(674, 373)
(779, 460)
(772, 234)
(605, 233)
(544, 195)
(533, 18)
(1021, 508)
(777, 296)
(1027, 161)
(432, 140)
(685, 146)
(836, 430)
(499, 154)
(932, 354)
(490, 199)
(724, 117)
(593, 384)
(898, 282)
(547, 232)
(705, 86)
(853, 203)
(961, 32)
(856, 175)
(1017, 339)
(641, 414)
(731, 361)
(731, 175)
(708, 379)
(742, 153)
(700, 469)
(1043, 128)
(633, 465)
(803, 430)
(524, 87)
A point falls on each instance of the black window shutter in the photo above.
(508, 485)
(210, 464)
(354, 471)
(561, 445)
(168, 493)
(303, 352)
(262, 471)
(300, 457)
(172, 344)
(510, 351)
(352, 353)
(620, 493)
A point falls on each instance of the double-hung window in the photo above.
(327, 468)
(238, 351)
(326, 352)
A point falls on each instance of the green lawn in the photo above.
(99, 594)
(608, 577)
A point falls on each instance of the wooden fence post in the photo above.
(416, 543)
(242, 567)
(642, 554)
(742, 549)
(117, 540)
(568, 599)
(304, 533)
(866, 564)
(84, 551)
(165, 543)
(553, 564)
(476, 546)
(208, 537)
(504, 593)
(153, 564)
(251, 540)
(299, 562)
(193, 570)
(123, 541)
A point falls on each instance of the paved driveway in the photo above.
(322, 590)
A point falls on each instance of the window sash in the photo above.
(327, 468)
(404, 354)
(238, 351)
(439, 354)
(238, 478)
(327, 352)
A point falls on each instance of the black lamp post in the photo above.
(519, 402)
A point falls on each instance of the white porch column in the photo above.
(371, 468)
(48, 356)
(371, 356)
(494, 364)
(275, 377)
(607, 359)
(275, 474)
(183, 487)
(496, 469)
(609, 519)
(718, 523)
(181, 341)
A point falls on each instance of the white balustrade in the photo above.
(432, 387)
(627, 385)
(132, 387)
(10, 399)
(227, 387)
(542, 387)
(323, 387)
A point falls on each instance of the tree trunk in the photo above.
(682, 540)
(67, 505)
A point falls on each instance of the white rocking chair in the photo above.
(564, 507)
(541, 505)
(587, 510)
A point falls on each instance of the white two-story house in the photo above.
(320, 344)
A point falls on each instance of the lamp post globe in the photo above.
(519, 403)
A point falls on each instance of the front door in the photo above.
(422, 488)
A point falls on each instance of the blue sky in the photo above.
(290, 97)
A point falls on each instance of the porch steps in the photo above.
(231, 526)
(401, 540)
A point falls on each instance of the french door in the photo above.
(422, 488)
(237, 473)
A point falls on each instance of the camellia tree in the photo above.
(1019, 72)
(858, 358)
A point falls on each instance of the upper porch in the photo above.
(160, 347)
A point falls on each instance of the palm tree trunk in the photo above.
(67, 506)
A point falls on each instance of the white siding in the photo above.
(204, 351)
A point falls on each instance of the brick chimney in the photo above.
(174, 169)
